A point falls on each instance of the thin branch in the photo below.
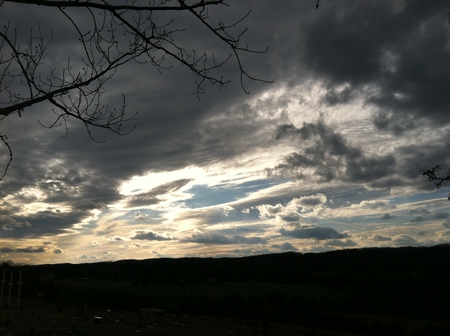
(232, 42)
(106, 6)
(4, 139)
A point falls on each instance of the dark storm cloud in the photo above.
(149, 235)
(328, 155)
(446, 224)
(400, 49)
(386, 216)
(319, 233)
(221, 239)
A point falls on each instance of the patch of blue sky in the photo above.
(345, 196)
(208, 196)
(425, 196)
(364, 222)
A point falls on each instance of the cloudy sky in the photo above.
(326, 157)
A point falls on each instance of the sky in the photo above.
(326, 157)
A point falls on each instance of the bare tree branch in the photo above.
(113, 36)
(4, 139)
(431, 175)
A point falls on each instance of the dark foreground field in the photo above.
(373, 292)
(51, 321)
(41, 320)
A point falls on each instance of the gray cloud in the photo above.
(440, 215)
(85, 256)
(319, 233)
(117, 238)
(221, 239)
(336, 97)
(45, 223)
(149, 235)
(404, 239)
(329, 156)
(311, 201)
(29, 249)
(285, 247)
(291, 217)
(341, 242)
(386, 216)
(420, 211)
(152, 197)
(9, 223)
(380, 238)
(401, 50)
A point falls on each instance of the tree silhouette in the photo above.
(432, 176)
(108, 37)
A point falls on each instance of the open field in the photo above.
(47, 319)
(54, 321)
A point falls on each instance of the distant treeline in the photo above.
(351, 266)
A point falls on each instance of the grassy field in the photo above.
(177, 291)
(49, 320)
(201, 309)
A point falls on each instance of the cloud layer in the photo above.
(326, 157)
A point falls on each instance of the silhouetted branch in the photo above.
(108, 36)
(431, 175)
(4, 139)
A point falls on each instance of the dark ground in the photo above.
(49, 321)
(373, 292)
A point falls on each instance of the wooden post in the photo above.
(20, 283)
(3, 285)
(10, 287)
